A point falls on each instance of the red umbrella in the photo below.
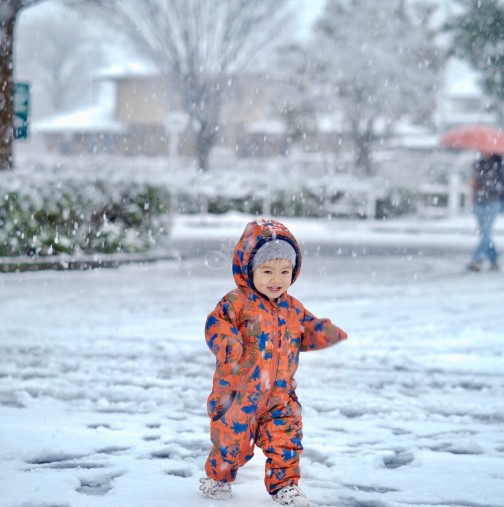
(475, 137)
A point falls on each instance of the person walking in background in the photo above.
(487, 184)
(256, 333)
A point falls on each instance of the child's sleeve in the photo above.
(222, 335)
(319, 333)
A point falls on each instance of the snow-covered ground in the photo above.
(104, 376)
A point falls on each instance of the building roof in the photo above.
(128, 69)
(91, 119)
(99, 117)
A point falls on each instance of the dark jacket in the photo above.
(488, 180)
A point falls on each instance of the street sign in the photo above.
(21, 110)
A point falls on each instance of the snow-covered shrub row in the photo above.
(82, 217)
(297, 202)
(304, 202)
(314, 185)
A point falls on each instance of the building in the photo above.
(139, 113)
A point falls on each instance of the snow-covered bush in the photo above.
(79, 217)
(297, 202)
(303, 184)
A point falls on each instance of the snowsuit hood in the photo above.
(255, 235)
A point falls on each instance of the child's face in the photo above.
(273, 278)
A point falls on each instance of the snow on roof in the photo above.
(266, 126)
(90, 119)
(472, 117)
(409, 135)
(97, 118)
(128, 69)
(424, 141)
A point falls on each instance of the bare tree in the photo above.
(375, 63)
(200, 44)
(59, 60)
(9, 11)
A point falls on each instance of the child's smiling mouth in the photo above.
(275, 289)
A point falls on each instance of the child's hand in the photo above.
(232, 352)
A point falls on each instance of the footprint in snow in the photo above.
(399, 459)
(51, 458)
(370, 489)
(97, 486)
(180, 472)
(113, 449)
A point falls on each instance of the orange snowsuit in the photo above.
(257, 342)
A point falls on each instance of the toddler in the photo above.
(256, 333)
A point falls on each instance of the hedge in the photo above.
(83, 218)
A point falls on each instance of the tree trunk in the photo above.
(363, 155)
(205, 140)
(7, 22)
(204, 109)
(362, 135)
(203, 158)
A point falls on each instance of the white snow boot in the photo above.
(291, 495)
(214, 489)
